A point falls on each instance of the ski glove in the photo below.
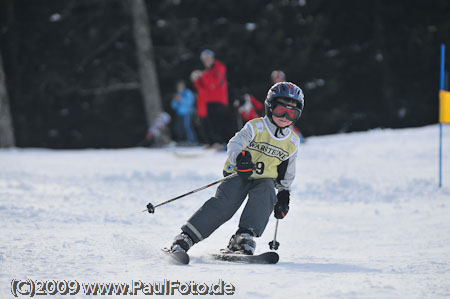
(244, 164)
(282, 205)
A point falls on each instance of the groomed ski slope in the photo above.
(367, 219)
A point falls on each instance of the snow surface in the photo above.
(367, 218)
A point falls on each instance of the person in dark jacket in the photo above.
(263, 153)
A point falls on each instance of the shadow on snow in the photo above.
(326, 268)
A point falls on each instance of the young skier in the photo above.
(263, 153)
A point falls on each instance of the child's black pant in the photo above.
(229, 197)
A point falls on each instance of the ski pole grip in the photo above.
(150, 208)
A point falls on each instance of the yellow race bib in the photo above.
(267, 150)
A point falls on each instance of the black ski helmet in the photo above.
(284, 90)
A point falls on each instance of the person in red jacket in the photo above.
(248, 107)
(212, 98)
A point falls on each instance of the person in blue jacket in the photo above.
(183, 105)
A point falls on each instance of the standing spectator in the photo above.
(212, 102)
(277, 76)
(183, 105)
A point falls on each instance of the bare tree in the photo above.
(6, 127)
(147, 70)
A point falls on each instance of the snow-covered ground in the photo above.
(367, 219)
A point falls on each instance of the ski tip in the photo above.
(177, 257)
(272, 256)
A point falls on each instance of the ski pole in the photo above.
(151, 208)
(275, 244)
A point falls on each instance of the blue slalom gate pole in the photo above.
(440, 155)
(442, 81)
(440, 123)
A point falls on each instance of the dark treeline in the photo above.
(72, 78)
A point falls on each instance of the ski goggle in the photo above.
(291, 113)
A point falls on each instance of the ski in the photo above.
(177, 257)
(269, 257)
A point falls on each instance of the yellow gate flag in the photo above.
(444, 106)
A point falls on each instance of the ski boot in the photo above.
(242, 242)
(182, 242)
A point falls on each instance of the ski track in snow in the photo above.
(367, 219)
